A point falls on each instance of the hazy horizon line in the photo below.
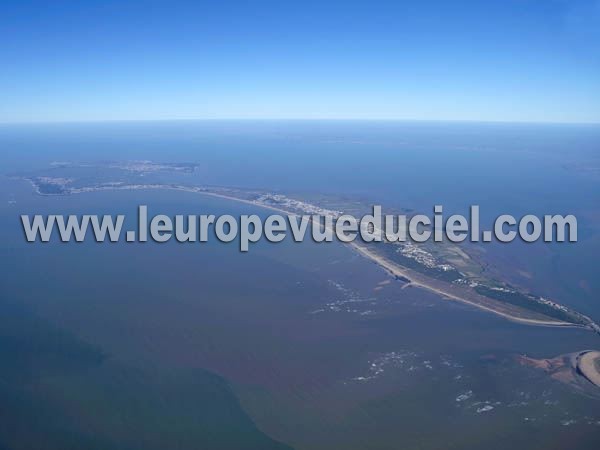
(293, 119)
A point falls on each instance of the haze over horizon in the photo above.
(515, 61)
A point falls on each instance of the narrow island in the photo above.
(445, 269)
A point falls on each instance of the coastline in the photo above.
(509, 312)
(395, 270)
(587, 366)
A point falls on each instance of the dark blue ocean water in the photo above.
(505, 168)
(123, 345)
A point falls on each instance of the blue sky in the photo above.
(448, 60)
